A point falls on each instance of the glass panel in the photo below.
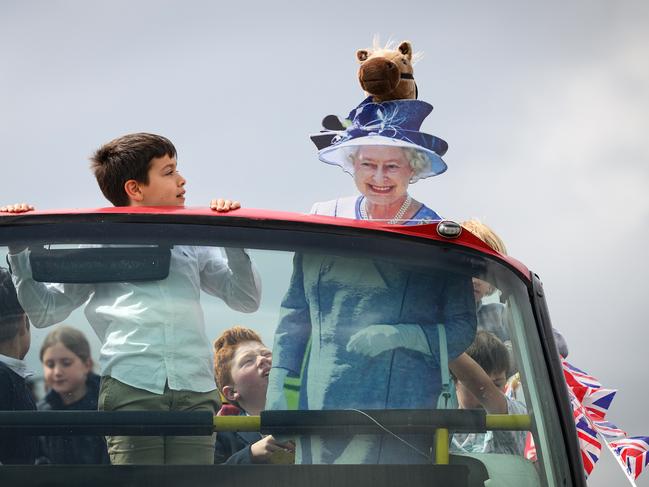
(362, 332)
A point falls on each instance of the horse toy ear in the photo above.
(405, 48)
(362, 55)
(386, 74)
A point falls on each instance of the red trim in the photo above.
(429, 231)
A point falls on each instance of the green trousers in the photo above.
(157, 450)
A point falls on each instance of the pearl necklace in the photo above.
(398, 217)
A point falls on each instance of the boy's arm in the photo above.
(237, 282)
(241, 457)
(259, 452)
(44, 304)
(474, 378)
(229, 448)
(262, 451)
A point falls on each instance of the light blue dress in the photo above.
(330, 298)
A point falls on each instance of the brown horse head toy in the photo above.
(386, 74)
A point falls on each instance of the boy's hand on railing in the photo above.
(222, 205)
(16, 208)
(262, 450)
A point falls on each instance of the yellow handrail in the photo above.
(495, 422)
(441, 446)
(509, 422)
(237, 423)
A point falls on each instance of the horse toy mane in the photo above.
(386, 73)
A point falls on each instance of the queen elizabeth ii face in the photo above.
(382, 174)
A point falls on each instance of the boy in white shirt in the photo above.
(155, 355)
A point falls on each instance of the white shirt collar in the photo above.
(18, 366)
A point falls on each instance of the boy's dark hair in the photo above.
(11, 312)
(489, 352)
(225, 347)
(124, 158)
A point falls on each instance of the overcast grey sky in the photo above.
(545, 108)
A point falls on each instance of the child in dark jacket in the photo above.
(15, 395)
(67, 366)
(241, 366)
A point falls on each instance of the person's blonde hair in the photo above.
(486, 234)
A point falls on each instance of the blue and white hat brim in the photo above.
(339, 154)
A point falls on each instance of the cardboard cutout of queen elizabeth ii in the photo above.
(371, 324)
(374, 344)
(384, 151)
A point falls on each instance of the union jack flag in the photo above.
(580, 383)
(633, 452)
(590, 445)
(597, 402)
(530, 448)
(590, 403)
(574, 375)
(609, 430)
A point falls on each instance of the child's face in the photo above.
(466, 399)
(249, 370)
(64, 371)
(481, 289)
(166, 186)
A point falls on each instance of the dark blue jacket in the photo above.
(16, 448)
(233, 447)
(89, 449)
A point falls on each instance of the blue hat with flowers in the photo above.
(390, 123)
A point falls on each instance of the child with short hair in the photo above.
(155, 355)
(15, 395)
(480, 377)
(241, 366)
(67, 367)
(492, 316)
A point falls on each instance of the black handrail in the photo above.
(199, 423)
(133, 423)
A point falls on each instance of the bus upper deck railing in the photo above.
(437, 422)
(199, 423)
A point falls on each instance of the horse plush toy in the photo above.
(385, 74)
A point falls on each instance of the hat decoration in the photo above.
(393, 123)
